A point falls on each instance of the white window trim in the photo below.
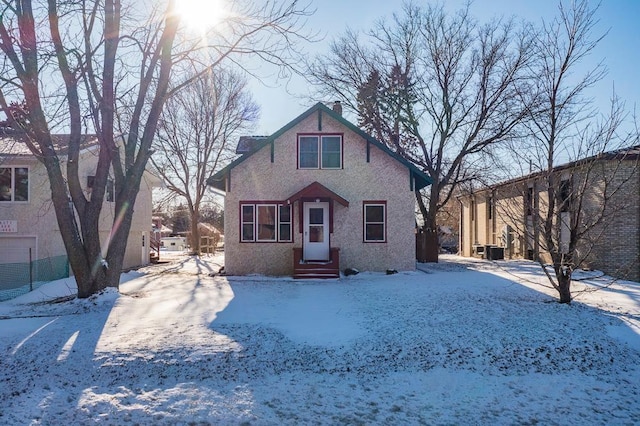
(278, 237)
(257, 223)
(383, 223)
(318, 153)
(290, 223)
(13, 184)
(242, 223)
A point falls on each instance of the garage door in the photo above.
(16, 249)
(14, 262)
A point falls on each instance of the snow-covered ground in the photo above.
(459, 342)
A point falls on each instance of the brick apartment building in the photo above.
(507, 215)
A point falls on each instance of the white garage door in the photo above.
(16, 249)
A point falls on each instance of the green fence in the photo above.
(17, 279)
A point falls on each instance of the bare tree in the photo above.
(572, 207)
(193, 136)
(107, 66)
(438, 89)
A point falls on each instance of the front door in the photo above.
(316, 231)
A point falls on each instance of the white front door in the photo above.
(316, 231)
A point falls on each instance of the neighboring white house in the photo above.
(317, 196)
(28, 225)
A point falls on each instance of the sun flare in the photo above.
(200, 15)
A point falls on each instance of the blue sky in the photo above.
(281, 101)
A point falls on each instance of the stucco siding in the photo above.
(381, 179)
(140, 224)
(37, 218)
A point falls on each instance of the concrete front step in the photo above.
(316, 272)
(315, 276)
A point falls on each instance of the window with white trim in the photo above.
(14, 184)
(265, 222)
(375, 221)
(284, 219)
(247, 218)
(109, 190)
(320, 152)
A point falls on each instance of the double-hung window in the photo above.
(320, 151)
(265, 222)
(284, 223)
(247, 218)
(375, 221)
(14, 184)
(109, 190)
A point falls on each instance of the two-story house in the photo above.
(318, 196)
(31, 248)
(508, 215)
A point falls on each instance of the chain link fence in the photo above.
(18, 278)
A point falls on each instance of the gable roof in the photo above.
(317, 190)
(13, 143)
(217, 180)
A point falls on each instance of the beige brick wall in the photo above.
(510, 212)
(613, 247)
(477, 227)
(383, 178)
(616, 248)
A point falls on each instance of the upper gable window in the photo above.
(320, 152)
(14, 184)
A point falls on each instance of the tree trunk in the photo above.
(118, 242)
(95, 270)
(195, 234)
(564, 284)
(430, 228)
(564, 287)
(421, 207)
(83, 250)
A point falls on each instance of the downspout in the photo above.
(461, 229)
(474, 219)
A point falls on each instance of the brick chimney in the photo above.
(337, 107)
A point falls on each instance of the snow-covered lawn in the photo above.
(461, 342)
